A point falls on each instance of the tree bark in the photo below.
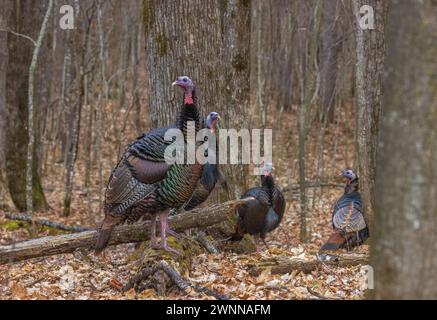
(31, 110)
(21, 20)
(197, 218)
(370, 52)
(180, 37)
(404, 252)
(329, 50)
(5, 198)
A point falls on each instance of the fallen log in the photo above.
(67, 243)
(44, 222)
(282, 265)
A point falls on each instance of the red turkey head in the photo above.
(185, 83)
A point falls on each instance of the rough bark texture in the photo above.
(329, 52)
(20, 55)
(31, 109)
(370, 51)
(208, 41)
(197, 218)
(404, 253)
(5, 199)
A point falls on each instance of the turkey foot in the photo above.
(164, 220)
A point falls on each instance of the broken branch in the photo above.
(284, 265)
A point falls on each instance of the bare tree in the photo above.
(329, 50)
(370, 51)
(404, 252)
(30, 109)
(82, 64)
(5, 200)
(20, 47)
(307, 49)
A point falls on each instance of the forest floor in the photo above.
(75, 276)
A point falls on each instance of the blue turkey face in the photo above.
(349, 174)
(268, 169)
(184, 82)
(212, 120)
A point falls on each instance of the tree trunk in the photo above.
(81, 44)
(235, 24)
(20, 55)
(180, 37)
(370, 52)
(5, 199)
(404, 252)
(31, 110)
(328, 59)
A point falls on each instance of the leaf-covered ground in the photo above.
(82, 276)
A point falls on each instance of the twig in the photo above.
(20, 35)
(44, 222)
(320, 296)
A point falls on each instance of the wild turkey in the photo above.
(211, 172)
(144, 183)
(350, 228)
(263, 214)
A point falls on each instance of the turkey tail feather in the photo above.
(105, 233)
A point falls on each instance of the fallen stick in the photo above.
(67, 243)
(44, 222)
(320, 296)
(282, 265)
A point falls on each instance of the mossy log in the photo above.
(46, 246)
(282, 265)
(44, 222)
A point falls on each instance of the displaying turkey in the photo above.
(144, 183)
(263, 214)
(350, 228)
(211, 172)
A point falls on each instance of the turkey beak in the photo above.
(174, 83)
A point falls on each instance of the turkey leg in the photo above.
(256, 239)
(265, 242)
(164, 228)
(153, 241)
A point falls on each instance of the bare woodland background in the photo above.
(335, 95)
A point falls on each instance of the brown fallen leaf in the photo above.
(18, 291)
(117, 285)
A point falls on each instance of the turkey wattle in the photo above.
(143, 183)
(263, 214)
(350, 228)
